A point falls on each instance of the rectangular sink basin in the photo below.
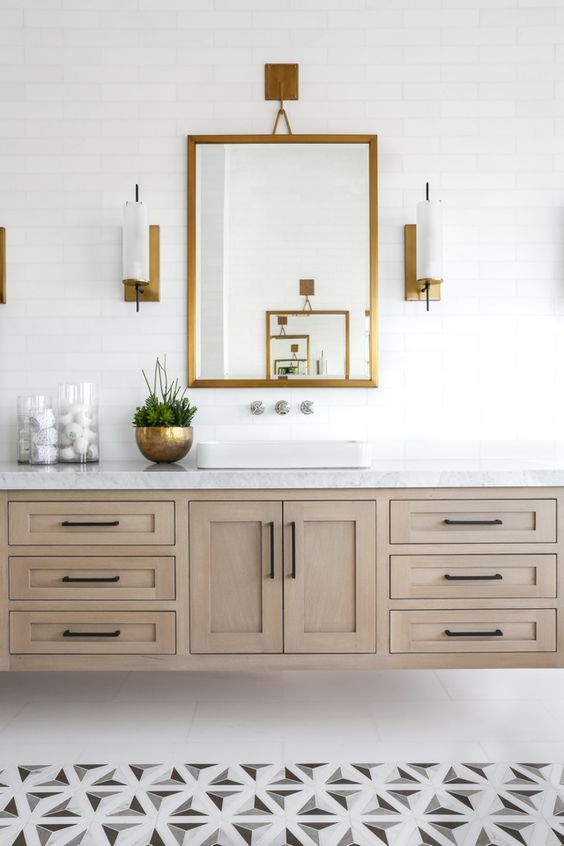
(247, 455)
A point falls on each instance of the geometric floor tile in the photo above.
(302, 804)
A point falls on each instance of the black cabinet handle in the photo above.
(497, 577)
(495, 633)
(92, 579)
(272, 550)
(293, 527)
(68, 633)
(90, 523)
(496, 522)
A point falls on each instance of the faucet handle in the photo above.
(306, 407)
(257, 407)
(282, 407)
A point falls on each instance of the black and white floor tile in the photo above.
(307, 804)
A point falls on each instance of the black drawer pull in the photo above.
(495, 633)
(497, 577)
(293, 527)
(272, 574)
(90, 523)
(92, 579)
(68, 633)
(496, 522)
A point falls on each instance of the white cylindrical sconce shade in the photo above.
(429, 241)
(135, 235)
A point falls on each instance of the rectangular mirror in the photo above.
(282, 229)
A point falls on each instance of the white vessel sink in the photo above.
(242, 455)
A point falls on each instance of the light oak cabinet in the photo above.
(258, 580)
(293, 577)
(236, 577)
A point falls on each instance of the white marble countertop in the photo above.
(132, 475)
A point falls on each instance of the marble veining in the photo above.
(132, 475)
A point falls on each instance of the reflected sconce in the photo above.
(282, 321)
(141, 254)
(307, 290)
(294, 350)
(424, 252)
(2, 265)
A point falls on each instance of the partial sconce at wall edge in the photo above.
(2, 265)
(141, 254)
(423, 245)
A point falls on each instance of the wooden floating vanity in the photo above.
(125, 569)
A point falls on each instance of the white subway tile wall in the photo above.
(96, 95)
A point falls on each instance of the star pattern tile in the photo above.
(303, 804)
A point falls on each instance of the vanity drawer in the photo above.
(90, 523)
(508, 630)
(520, 576)
(473, 521)
(92, 577)
(91, 633)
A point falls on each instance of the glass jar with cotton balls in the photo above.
(79, 439)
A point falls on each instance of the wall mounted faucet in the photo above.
(282, 407)
(257, 407)
(306, 407)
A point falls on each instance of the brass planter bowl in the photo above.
(164, 444)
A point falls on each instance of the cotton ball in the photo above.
(91, 434)
(72, 431)
(67, 454)
(92, 453)
(65, 419)
(76, 409)
(80, 445)
(83, 418)
(64, 441)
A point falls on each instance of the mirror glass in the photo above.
(283, 271)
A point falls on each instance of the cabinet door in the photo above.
(236, 577)
(330, 577)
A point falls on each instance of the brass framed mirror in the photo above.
(282, 228)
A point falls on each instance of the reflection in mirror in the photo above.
(286, 229)
(324, 349)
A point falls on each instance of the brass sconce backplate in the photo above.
(2, 265)
(414, 290)
(150, 293)
(281, 82)
(307, 287)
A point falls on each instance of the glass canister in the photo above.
(40, 430)
(78, 423)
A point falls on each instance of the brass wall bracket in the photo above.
(281, 82)
(415, 290)
(2, 265)
(150, 292)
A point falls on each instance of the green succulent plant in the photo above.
(167, 404)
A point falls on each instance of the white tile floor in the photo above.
(491, 715)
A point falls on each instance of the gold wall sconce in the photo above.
(2, 265)
(141, 254)
(423, 243)
(307, 290)
(281, 82)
